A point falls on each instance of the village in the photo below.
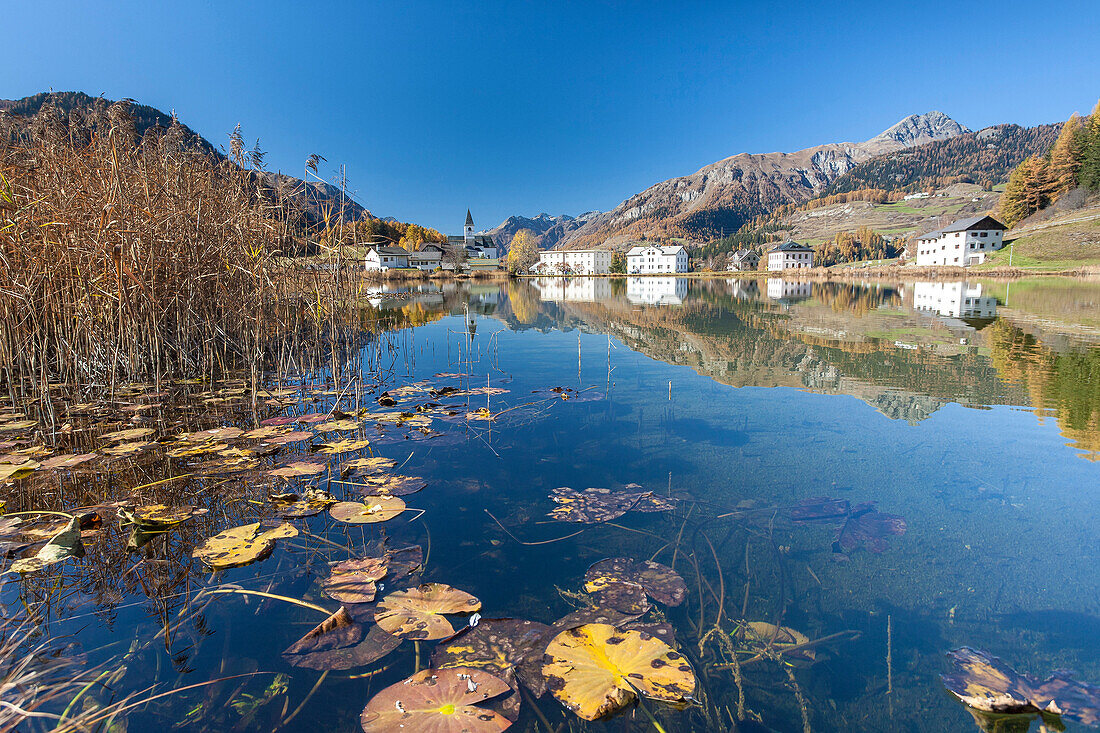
(962, 243)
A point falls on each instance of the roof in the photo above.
(571, 251)
(934, 234)
(391, 250)
(792, 246)
(469, 218)
(669, 250)
(743, 253)
(963, 225)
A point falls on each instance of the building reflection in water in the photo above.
(656, 290)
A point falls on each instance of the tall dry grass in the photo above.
(126, 258)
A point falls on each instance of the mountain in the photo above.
(314, 199)
(722, 196)
(548, 230)
(973, 157)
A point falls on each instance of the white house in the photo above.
(655, 258)
(955, 299)
(744, 260)
(386, 258)
(656, 290)
(961, 244)
(428, 257)
(790, 255)
(573, 262)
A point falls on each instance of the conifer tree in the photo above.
(1089, 177)
(1068, 154)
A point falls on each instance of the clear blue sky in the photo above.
(521, 107)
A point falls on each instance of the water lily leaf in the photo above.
(203, 436)
(374, 464)
(299, 468)
(67, 460)
(661, 583)
(353, 581)
(375, 645)
(650, 502)
(985, 682)
(313, 417)
(61, 546)
(335, 632)
(437, 701)
(394, 485)
(626, 598)
(780, 639)
(821, 509)
(311, 502)
(343, 446)
(266, 431)
(595, 670)
(242, 545)
(127, 449)
(372, 509)
(17, 470)
(870, 529)
(337, 426)
(495, 644)
(279, 421)
(18, 425)
(592, 505)
(131, 434)
(483, 413)
(417, 613)
(158, 516)
(187, 449)
(291, 437)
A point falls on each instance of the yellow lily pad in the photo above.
(131, 434)
(596, 669)
(369, 511)
(343, 446)
(242, 545)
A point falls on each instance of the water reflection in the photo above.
(656, 290)
(788, 290)
(956, 299)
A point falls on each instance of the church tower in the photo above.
(468, 230)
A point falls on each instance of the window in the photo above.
(984, 234)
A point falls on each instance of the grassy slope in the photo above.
(1064, 242)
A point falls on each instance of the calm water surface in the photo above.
(969, 409)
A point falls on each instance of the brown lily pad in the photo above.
(660, 582)
(437, 701)
(354, 581)
(299, 468)
(335, 632)
(375, 645)
(419, 613)
(591, 506)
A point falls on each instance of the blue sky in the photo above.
(517, 107)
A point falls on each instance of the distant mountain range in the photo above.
(722, 196)
(548, 230)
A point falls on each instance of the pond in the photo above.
(835, 487)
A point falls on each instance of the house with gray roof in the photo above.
(744, 260)
(790, 256)
(386, 258)
(962, 243)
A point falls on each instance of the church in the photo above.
(478, 246)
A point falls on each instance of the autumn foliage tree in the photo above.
(522, 252)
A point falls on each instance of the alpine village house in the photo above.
(655, 258)
(790, 256)
(961, 244)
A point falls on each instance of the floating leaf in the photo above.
(18, 425)
(278, 421)
(311, 502)
(595, 669)
(67, 460)
(299, 468)
(213, 434)
(372, 509)
(483, 413)
(374, 464)
(265, 432)
(335, 632)
(17, 470)
(394, 485)
(661, 583)
(127, 449)
(292, 437)
(61, 546)
(186, 449)
(821, 509)
(343, 446)
(437, 701)
(984, 682)
(158, 516)
(649, 502)
(353, 581)
(628, 598)
(313, 417)
(242, 545)
(417, 613)
(131, 434)
(592, 505)
(336, 426)
(375, 645)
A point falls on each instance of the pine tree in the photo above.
(1068, 154)
(1089, 177)
(1013, 203)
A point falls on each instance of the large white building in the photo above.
(961, 244)
(955, 299)
(655, 258)
(790, 256)
(780, 289)
(573, 262)
(574, 290)
(656, 290)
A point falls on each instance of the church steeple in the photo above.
(468, 230)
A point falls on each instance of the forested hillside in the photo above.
(985, 157)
